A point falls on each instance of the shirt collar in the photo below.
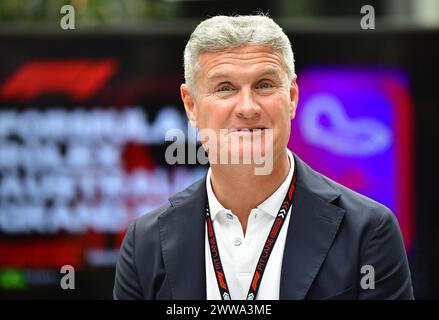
(270, 206)
(214, 205)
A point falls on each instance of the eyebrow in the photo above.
(270, 72)
(222, 75)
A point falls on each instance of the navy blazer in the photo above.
(333, 232)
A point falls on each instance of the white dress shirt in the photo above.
(239, 254)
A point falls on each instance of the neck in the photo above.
(238, 188)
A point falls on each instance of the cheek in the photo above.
(278, 110)
(213, 115)
(280, 117)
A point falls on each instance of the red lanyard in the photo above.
(266, 251)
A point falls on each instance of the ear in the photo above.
(189, 104)
(294, 97)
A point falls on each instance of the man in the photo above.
(289, 233)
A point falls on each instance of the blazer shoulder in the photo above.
(352, 202)
(150, 221)
(357, 206)
(139, 258)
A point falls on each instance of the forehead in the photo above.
(247, 59)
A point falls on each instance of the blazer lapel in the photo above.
(182, 233)
(313, 225)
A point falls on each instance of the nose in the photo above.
(247, 107)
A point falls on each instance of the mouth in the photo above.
(246, 130)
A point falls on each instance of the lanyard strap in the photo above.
(266, 251)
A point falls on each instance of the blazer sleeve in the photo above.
(386, 254)
(127, 284)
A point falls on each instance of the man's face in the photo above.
(242, 88)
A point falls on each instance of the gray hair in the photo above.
(223, 32)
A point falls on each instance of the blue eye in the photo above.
(265, 85)
(225, 88)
